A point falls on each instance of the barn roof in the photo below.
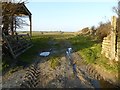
(20, 10)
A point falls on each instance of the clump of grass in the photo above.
(89, 55)
(54, 62)
(92, 53)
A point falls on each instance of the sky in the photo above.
(69, 15)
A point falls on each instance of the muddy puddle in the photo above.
(105, 84)
(93, 78)
(102, 84)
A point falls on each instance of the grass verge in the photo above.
(90, 50)
(54, 62)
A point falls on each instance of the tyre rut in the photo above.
(32, 77)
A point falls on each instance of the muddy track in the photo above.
(95, 74)
(32, 77)
(91, 74)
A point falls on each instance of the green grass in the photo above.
(90, 49)
(87, 46)
(105, 63)
(38, 45)
(81, 42)
(54, 62)
(41, 43)
(91, 54)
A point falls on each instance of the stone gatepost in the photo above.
(118, 41)
(118, 50)
(113, 38)
(118, 30)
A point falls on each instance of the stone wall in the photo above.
(106, 47)
(111, 43)
(118, 32)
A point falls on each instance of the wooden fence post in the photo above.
(30, 18)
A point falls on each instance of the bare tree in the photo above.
(93, 28)
(118, 22)
(103, 30)
(10, 20)
(117, 9)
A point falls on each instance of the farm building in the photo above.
(13, 42)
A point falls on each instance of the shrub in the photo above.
(103, 30)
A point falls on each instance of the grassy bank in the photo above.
(90, 49)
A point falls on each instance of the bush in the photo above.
(103, 30)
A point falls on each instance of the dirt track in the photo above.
(46, 77)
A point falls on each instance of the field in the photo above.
(87, 46)
(41, 42)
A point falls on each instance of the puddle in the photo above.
(105, 84)
(69, 50)
(95, 83)
(44, 54)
